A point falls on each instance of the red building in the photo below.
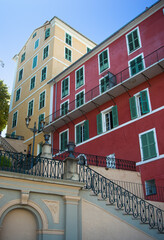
(110, 102)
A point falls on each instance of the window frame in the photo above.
(44, 99)
(62, 97)
(66, 130)
(19, 89)
(156, 145)
(46, 30)
(47, 53)
(139, 39)
(34, 82)
(84, 137)
(14, 121)
(138, 107)
(39, 121)
(42, 74)
(77, 87)
(76, 98)
(23, 57)
(100, 72)
(143, 62)
(32, 108)
(61, 107)
(21, 70)
(150, 185)
(70, 44)
(69, 56)
(36, 44)
(36, 62)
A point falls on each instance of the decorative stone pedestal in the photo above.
(46, 151)
(70, 169)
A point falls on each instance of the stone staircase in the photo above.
(12, 145)
(116, 201)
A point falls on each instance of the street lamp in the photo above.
(34, 130)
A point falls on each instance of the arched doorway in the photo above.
(19, 224)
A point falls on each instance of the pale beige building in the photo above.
(49, 50)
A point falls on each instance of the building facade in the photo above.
(110, 101)
(49, 50)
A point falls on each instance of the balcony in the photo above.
(118, 84)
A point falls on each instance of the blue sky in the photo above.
(96, 19)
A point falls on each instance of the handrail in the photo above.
(124, 199)
(31, 165)
(116, 79)
(95, 160)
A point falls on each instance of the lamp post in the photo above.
(34, 130)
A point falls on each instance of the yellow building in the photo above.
(49, 50)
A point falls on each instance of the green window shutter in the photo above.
(115, 116)
(148, 145)
(63, 141)
(99, 123)
(144, 102)
(41, 118)
(86, 130)
(78, 133)
(133, 109)
(152, 146)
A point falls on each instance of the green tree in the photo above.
(4, 105)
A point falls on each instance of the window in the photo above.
(36, 45)
(68, 54)
(103, 61)
(29, 148)
(80, 99)
(63, 140)
(23, 57)
(136, 65)
(35, 59)
(45, 52)
(82, 132)
(107, 120)
(65, 87)
(88, 49)
(79, 75)
(32, 83)
(34, 35)
(64, 108)
(42, 100)
(111, 161)
(148, 145)
(30, 108)
(139, 104)
(47, 33)
(133, 40)
(68, 39)
(150, 187)
(107, 83)
(39, 148)
(14, 122)
(41, 118)
(20, 75)
(17, 95)
(44, 73)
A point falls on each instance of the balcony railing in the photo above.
(13, 136)
(100, 161)
(120, 79)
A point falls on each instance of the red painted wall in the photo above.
(124, 140)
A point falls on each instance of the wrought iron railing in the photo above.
(27, 164)
(101, 161)
(115, 79)
(115, 194)
(13, 136)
